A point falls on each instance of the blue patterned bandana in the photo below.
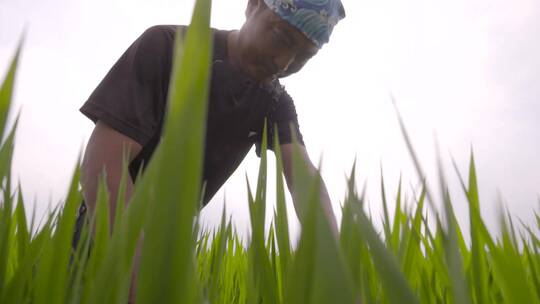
(315, 18)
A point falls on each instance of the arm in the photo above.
(287, 155)
(104, 151)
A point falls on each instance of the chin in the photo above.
(261, 76)
(280, 76)
(283, 75)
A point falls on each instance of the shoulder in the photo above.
(160, 34)
(278, 92)
(283, 94)
(153, 49)
(282, 104)
(155, 39)
(170, 29)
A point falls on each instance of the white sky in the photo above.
(465, 70)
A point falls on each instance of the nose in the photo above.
(283, 61)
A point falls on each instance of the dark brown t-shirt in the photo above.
(132, 99)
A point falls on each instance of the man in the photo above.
(277, 39)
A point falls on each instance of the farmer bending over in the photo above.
(276, 40)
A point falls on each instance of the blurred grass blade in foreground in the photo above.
(168, 246)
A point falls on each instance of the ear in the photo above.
(253, 6)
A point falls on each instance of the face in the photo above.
(273, 47)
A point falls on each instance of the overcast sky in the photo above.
(467, 71)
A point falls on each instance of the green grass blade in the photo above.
(23, 235)
(534, 268)
(6, 89)
(280, 216)
(386, 221)
(508, 269)
(260, 269)
(318, 273)
(396, 226)
(352, 244)
(23, 284)
(479, 259)
(6, 208)
(412, 242)
(396, 287)
(451, 242)
(52, 275)
(168, 247)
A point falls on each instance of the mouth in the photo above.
(265, 71)
(282, 74)
(270, 70)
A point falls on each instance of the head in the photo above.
(280, 36)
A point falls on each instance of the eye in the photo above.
(279, 38)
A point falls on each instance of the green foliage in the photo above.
(409, 261)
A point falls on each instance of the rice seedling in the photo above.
(408, 261)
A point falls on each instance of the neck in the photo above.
(235, 50)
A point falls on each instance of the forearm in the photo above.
(324, 199)
(327, 208)
(105, 153)
(91, 175)
(90, 181)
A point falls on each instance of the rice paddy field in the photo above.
(412, 259)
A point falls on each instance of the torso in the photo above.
(237, 109)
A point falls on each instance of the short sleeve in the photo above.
(282, 116)
(131, 98)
